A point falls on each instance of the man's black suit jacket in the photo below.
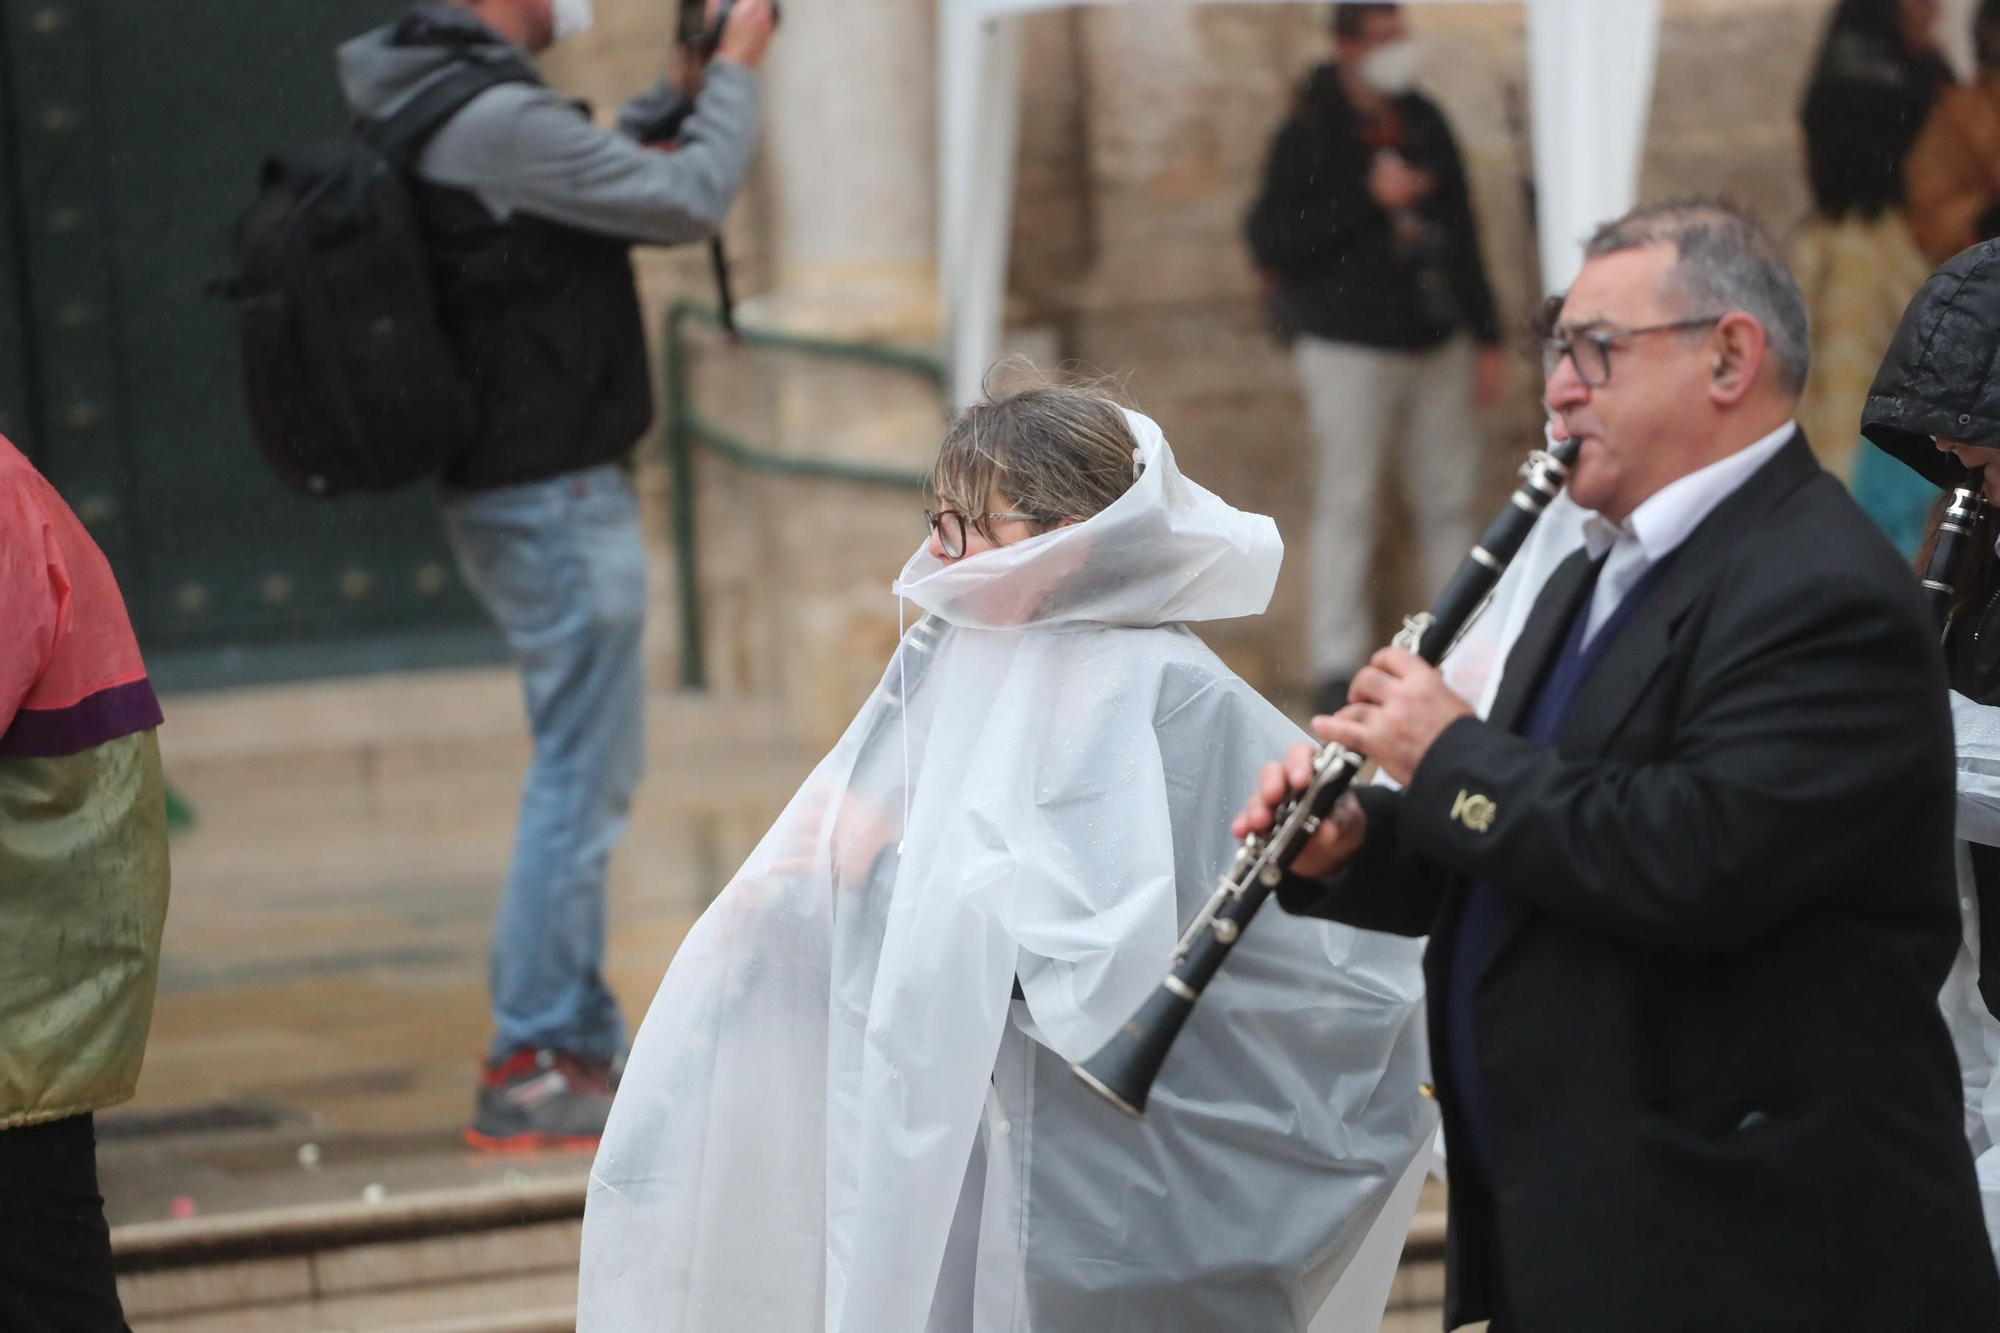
(1717, 1087)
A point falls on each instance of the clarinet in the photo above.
(1123, 1072)
(1954, 543)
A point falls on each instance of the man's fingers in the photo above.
(1371, 686)
(746, 33)
(1354, 726)
(1398, 662)
(1299, 762)
(1343, 728)
(1359, 713)
(1273, 783)
(1256, 816)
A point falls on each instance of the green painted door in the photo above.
(16, 383)
(133, 131)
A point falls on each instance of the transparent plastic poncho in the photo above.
(836, 1115)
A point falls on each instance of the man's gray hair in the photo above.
(1725, 262)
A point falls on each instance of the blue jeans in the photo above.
(561, 567)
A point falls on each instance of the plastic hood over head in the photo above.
(1938, 380)
(1166, 551)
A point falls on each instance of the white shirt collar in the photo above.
(1664, 520)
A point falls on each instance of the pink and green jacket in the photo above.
(83, 839)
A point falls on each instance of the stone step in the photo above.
(440, 751)
(553, 1320)
(491, 1260)
(433, 719)
(1416, 1299)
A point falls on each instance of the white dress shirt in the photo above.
(1657, 527)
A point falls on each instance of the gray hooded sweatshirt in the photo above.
(529, 211)
(524, 147)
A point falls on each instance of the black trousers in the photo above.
(55, 1249)
(1471, 1197)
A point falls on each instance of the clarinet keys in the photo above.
(1124, 1070)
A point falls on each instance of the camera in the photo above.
(701, 36)
(698, 35)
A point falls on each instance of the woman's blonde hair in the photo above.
(1053, 451)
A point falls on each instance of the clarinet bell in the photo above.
(1123, 1072)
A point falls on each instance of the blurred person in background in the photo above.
(1952, 174)
(531, 211)
(1876, 79)
(1365, 234)
(83, 900)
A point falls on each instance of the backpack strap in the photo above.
(401, 135)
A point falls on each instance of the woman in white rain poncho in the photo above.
(850, 1107)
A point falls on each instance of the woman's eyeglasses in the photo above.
(950, 525)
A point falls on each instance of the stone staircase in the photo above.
(459, 1261)
(293, 1160)
(292, 1164)
(487, 1261)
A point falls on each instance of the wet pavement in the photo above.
(322, 1005)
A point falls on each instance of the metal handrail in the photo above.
(686, 431)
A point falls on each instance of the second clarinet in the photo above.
(1123, 1072)
(1954, 543)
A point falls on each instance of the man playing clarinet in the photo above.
(1689, 887)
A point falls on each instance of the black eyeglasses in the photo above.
(950, 525)
(1590, 353)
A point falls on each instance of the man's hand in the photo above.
(1400, 705)
(747, 33)
(1396, 185)
(688, 70)
(1338, 838)
(1491, 376)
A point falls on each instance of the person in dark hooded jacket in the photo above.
(1364, 231)
(1935, 406)
(1876, 78)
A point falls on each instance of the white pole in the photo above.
(980, 135)
(1591, 64)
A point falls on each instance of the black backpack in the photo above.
(352, 379)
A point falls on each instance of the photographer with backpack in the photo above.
(528, 212)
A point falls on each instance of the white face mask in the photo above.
(573, 18)
(1391, 69)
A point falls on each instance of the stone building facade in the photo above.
(1143, 134)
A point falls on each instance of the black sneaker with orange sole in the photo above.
(536, 1100)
